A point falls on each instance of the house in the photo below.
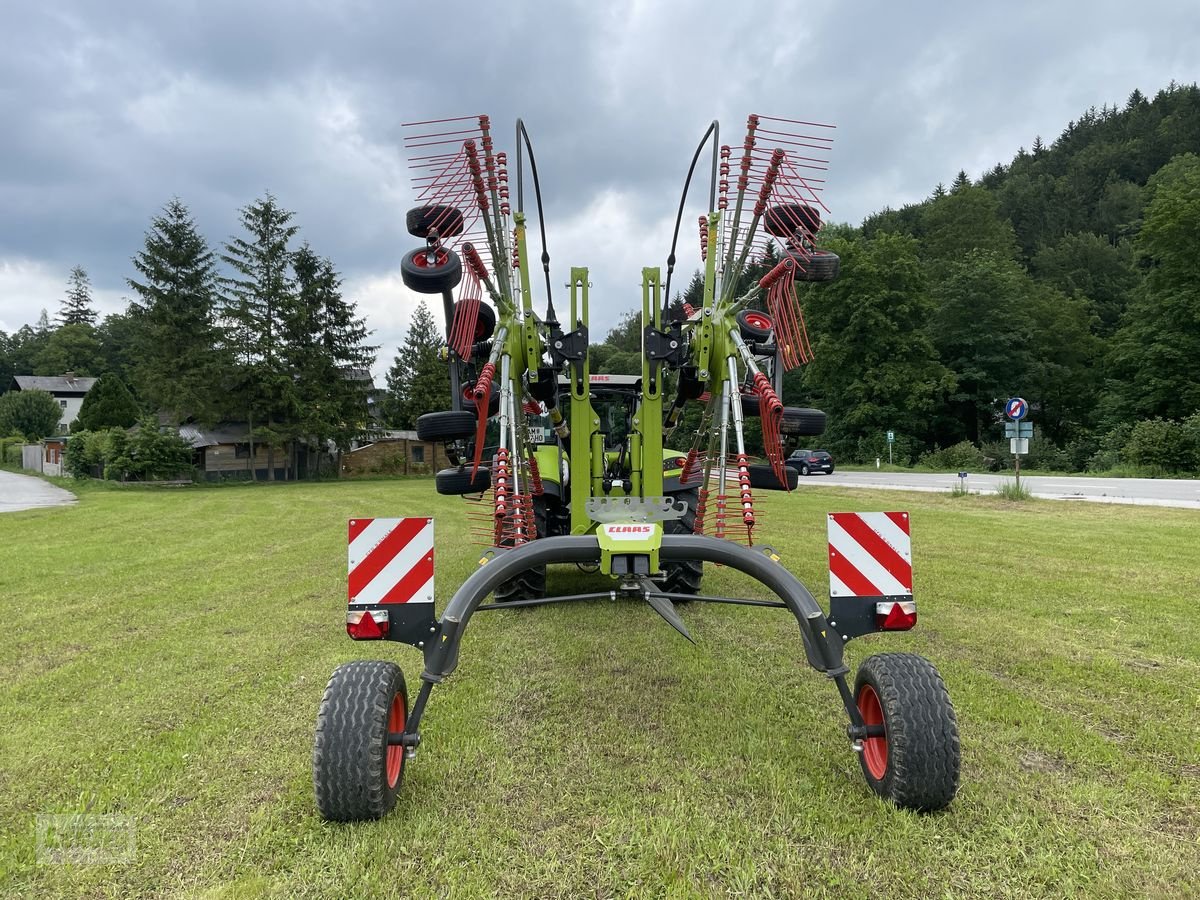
(223, 453)
(68, 390)
(396, 453)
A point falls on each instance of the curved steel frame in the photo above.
(822, 646)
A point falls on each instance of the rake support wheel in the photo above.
(916, 763)
(356, 772)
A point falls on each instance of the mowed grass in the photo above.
(164, 654)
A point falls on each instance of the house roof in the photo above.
(54, 384)
(223, 433)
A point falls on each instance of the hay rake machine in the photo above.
(596, 484)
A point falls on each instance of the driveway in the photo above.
(26, 492)
(1137, 491)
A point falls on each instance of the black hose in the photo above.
(715, 130)
(522, 134)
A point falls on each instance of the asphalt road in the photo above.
(1138, 491)
(26, 492)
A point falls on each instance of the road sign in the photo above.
(891, 437)
(870, 555)
(1018, 446)
(1018, 429)
(1016, 409)
(391, 560)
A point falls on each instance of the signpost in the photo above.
(1018, 432)
(891, 440)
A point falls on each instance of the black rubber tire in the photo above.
(921, 757)
(762, 476)
(443, 275)
(530, 584)
(457, 481)
(422, 219)
(485, 325)
(804, 470)
(446, 426)
(684, 576)
(350, 752)
(802, 422)
(783, 220)
(750, 406)
(755, 326)
(817, 265)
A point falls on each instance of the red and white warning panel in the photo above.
(870, 559)
(391, 560)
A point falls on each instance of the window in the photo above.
(418, 454)
(62, 403)
(241, 451)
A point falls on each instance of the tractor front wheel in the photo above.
(915, 763)
(356, 772)
(682, 576)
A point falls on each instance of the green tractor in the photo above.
(594, 470)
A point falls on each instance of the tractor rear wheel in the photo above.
(915, 764)
(530, 584)
(356, 772)
(682, 576)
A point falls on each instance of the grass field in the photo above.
(164, 653)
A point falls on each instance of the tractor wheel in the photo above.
(426, 276)
(457, 481)
(356, 773)
(446, 426)
(816, 265)
(802, 422)
(755, 326)
(682, 576)
(783, 220)
(530, 584)
(446, 219)
(763, 477)
(916, 763)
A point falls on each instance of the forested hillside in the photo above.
(1069, 276)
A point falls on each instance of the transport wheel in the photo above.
(762, 476)
(802, 422)
(356, 773)
(485, 324)
(916, 763)
(754, 326)
(457, 480)
(446, 426)
(784, 219)
(530, 584)
(431, 276)
(422, 219)
(816, 265)
(682, 576)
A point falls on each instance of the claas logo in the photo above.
(629, 529)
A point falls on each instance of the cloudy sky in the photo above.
(109, 109)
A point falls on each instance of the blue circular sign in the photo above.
(1016, 409)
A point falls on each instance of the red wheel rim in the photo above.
(875, 749)
(395, 752)
(421, 259)
(758, 320)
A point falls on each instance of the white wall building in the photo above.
(68, 390)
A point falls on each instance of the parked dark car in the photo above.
(808, 461)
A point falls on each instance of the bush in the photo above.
(1108, 455)
(963, 455)
(10, 450)
(1162, 444)
(150, 453)
(34, 414)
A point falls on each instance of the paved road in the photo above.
(26, 492)
(1140, 491)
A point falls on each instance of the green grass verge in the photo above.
(165, 652)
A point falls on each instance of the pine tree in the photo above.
(260, 296)
(417, 381)
(961, 182)
(77, 305)
(325, 346)
(176, 343)
(1038, 147)
(108, 405)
